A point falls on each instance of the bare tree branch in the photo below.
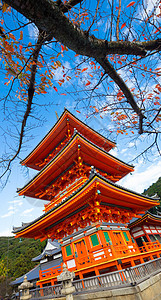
(31, 90)
(118, 21)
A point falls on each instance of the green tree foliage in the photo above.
(155, 188)
(16, 255)
(3, 269)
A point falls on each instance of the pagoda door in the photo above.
(81, 252)
(119, 243)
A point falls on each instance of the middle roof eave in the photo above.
(131, 199)
(108, 162)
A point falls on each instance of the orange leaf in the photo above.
(88, 83)
(84, 69)
(158, 87)
(21, 35)
(4, 7)
(123, 25)
(78, 111)
(130, 4)
(96, 109)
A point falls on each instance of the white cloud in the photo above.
(6, 232)
(142, 179)
(17, 202)
(9, 214)
(27, 212)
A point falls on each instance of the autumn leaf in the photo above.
(123, 25)
(84, 69)
(96, 109)
(54, 87)
(58, 63)
(11, 71)
(158, 87)
(130, 4)
(88, 83)
(21, 35)
(4, 7)
(78, 111)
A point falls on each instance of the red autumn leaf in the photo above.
(62, 48)
(84, 14)
(130, 4)
(158, 87)
(54, 87)
(88, 83)
(84, 69)
(20, 47)
(157, 30)
(78, 111)
(123, 25)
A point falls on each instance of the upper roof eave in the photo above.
(23, 162)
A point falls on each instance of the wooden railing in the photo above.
(150, 246)
(51, 272)
(121, 278)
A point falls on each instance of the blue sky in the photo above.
(15, 209)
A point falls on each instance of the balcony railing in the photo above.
(118, 279)
(104, 255)
(51, 272)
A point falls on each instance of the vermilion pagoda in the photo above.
(87, 211)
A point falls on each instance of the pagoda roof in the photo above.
(90, 154)
(110, 194)
(52, 247)
(58, 133)
(147, 219)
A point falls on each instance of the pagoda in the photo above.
(87, 211)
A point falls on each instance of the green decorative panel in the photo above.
(125, 236)
(68, 250)
(94, 240)
(106, 235)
